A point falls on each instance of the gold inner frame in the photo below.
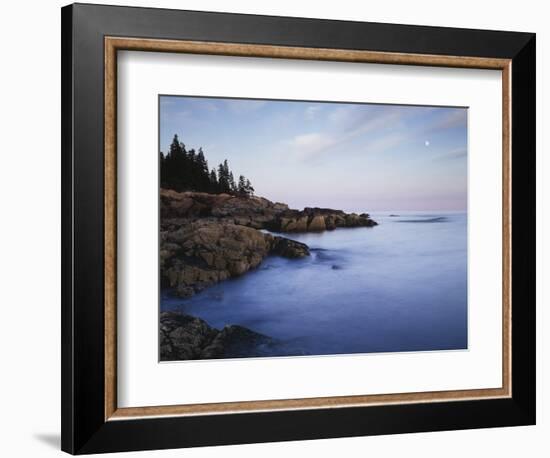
(114, 44)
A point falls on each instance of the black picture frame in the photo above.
(84, 428)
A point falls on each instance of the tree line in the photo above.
(183, 170)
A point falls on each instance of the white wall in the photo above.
(30, 229)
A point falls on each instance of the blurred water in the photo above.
(400, 286)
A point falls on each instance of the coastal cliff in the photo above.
(207, 238)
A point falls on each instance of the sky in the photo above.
(354, 157)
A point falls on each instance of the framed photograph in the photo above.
(281, 228)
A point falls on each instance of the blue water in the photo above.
(400, 286)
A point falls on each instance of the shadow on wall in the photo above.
(50, 439)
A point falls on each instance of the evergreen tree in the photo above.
(241, 187)
(214, 186)
(184, 170)
(232, 186)
(248, 188)
(226, 170)
(201, 161)
(175, 148)
(202, 172)
(173, 165)
(223, 177)
(162, 168)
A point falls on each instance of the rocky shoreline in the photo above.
(207, 238)
(184, 337)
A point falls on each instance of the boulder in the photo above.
(317, 220)
(289, 248)
(317, 224)
(206, 251)
(184, 337)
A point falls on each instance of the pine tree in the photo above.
(248, 188)
(184, 170)
(162, 168)
(175, 148)
(201, 161)
(241, 188)
(232, 185)
(174, 165)
(213, 177)
(226, 169)
(214, 186)
(223, 177)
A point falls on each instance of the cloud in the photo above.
(347, 123)
(355, 120)
(344, 115)
(457, 153)
(454, 118)
(385, 143)
(166, 101)
(312, 111)
(175, 120)
(317, 145)
(307, 145)
(210, 106)
(244, 106)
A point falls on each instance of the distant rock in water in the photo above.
(208, 238)
(288, 248)
(318, 220)
(438, 219)
(184, 337)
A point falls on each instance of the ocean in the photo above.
(399, 286)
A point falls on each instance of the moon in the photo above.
(427, 143)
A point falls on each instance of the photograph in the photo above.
(310, 228)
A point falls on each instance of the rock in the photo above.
(237, 268)
(239, 342)
(206, 251)
(287, 224)
(301, 224)
(184, 337)
(330, 222)
(254, 212)
(186, 204)
(317, 224)
(289, 248)
(208, 238)
(317, 220)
